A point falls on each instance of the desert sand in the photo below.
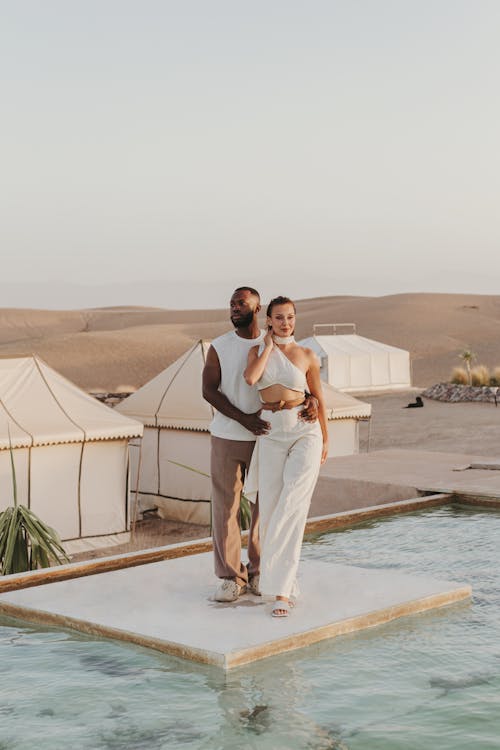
(113, 349)
(472, 428)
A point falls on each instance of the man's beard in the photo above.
(243, 321)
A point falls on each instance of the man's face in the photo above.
(244, 306)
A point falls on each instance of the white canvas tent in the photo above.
(354, 363)
(70, 454)
(176, 422)
(344, 413)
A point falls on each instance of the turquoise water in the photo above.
(428, 681)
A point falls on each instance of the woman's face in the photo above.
(282, 319)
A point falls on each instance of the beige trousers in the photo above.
(229, 463)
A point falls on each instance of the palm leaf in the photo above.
(245, 512)
(13, 539)
(13, 469)
(43, 535)
(26, 542)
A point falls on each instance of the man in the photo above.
(234, 429)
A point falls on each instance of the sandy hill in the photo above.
(113, 347)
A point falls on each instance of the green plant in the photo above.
(245, 511)
(26, 543)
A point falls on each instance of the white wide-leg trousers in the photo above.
(288, 465)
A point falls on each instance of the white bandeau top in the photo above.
(281, 371)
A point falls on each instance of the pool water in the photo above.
(426, 681)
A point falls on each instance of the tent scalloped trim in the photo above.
(16, 444)
(190, 428)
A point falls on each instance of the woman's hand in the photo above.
(268, 338)
(324, 453)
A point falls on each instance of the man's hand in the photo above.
(255, 424)
(310, 411)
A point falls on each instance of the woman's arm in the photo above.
(314, 384)
(256, 363)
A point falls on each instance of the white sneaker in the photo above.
(228, 591)
(254, 585)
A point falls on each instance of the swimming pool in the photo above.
(431, 680)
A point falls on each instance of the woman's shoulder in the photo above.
(308, 352)
(311, 355)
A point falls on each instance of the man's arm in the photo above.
(211, 393)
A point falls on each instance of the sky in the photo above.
(162, 153)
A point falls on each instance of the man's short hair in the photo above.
(248, 289)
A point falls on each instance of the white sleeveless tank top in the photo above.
(232, 351)
(281, 371)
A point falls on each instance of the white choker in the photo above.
(283, 339)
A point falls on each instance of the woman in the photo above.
(289, 456)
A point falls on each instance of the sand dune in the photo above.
(106, 348)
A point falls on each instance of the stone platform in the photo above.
(168, 606)
(364, 479)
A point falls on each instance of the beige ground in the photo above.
(452, 428)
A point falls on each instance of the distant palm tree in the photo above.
(467, 356)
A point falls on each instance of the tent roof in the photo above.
(173, 399)
(343, 406)
(38, 406)
(351, 344)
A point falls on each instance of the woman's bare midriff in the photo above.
(279, 393)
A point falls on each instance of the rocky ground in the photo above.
(453, 393)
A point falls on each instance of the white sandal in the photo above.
(280, 608)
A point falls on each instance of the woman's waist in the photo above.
(277, 397)
(286, 422)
